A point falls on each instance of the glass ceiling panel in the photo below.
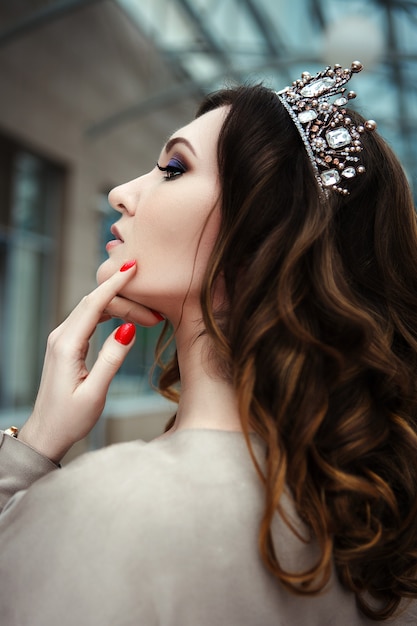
(161, 21)
(214, 41)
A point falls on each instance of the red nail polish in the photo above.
(160, 317)
(125, 333)
(128, 265)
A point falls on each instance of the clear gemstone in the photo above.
(317, 87)
(307, 116)
(330, 177)
(349, 172)
(340, 102)
(338, 137)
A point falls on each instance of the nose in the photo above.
(121, 198)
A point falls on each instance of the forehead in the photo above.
(203, 132)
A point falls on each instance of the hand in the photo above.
(131, 311)
(70, 398)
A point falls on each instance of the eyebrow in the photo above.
(171, 143)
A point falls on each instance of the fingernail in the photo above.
(128, 265)
(160, 317)
(125, 333)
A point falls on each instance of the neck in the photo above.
(207, 400)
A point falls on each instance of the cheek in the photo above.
(199, 254)
(211, 231)
(181, 236)
(172, 248)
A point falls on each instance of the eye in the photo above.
(173, 169)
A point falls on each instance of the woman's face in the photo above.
(169, 220)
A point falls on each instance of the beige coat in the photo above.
(161, 533)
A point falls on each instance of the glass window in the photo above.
(30, 201)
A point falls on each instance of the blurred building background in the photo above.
(89, 91)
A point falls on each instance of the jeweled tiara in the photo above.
(332, 140)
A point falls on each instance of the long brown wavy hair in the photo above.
(320, 342)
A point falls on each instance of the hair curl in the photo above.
(320, 342)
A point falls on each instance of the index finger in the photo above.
(88, 313)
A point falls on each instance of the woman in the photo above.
(277, 234)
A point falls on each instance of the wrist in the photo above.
(42, 444)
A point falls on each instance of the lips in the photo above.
(116, 241)
(116, 233)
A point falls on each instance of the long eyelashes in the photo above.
(173, 169)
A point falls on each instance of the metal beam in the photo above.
(178, 92)
(401, 88)
(273, 40)
(154, 103)
(192, 88)
(213, 46)
(316, 10)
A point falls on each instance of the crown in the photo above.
(331, 139)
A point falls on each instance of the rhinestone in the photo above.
(349, 172)
(307, 116)
(319, 143)
(317, 87)
(340, 102)
(338, 138)
(330, 177)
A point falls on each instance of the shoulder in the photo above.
(219, 453)
(162, 475)
(160, 503)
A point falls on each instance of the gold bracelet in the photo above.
(13, 431)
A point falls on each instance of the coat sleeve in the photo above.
(20, 467)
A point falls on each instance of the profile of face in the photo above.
(169, 220)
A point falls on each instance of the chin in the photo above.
(104, 272)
